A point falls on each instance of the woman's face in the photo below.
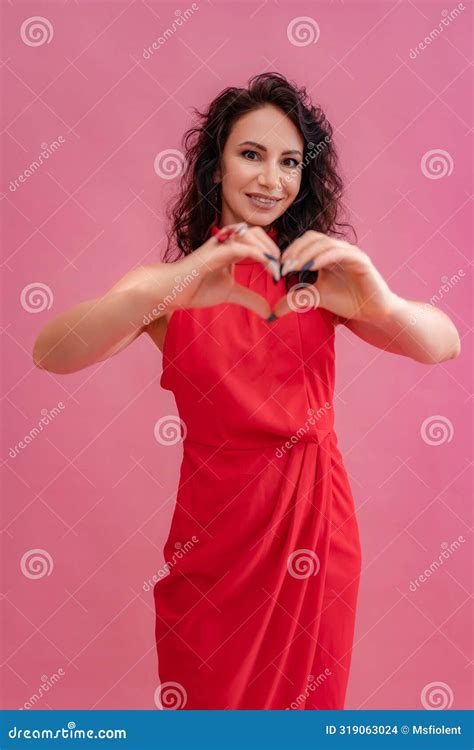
(262, 155)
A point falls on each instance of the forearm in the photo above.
(414, 329)
(97, 328)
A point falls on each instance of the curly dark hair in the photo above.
(317, 205)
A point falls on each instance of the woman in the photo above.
(263, 554)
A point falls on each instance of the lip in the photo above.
(263, 195)
(269, 204)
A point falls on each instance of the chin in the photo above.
(260, 220)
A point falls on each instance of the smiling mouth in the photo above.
(261, 201)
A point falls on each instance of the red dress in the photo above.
(258, 608)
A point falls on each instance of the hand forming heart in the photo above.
(348, 284)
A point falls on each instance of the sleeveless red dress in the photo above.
(258, 608)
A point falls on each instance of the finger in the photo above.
(308, 260)
(231, 231)
(261, 235)
(309, 237)
(281, 307)
(252, 235)
(301, 259)
(227, 231)
(240, 295)
(256, 236)
(344, 256)
(258, 251)
(234, 250)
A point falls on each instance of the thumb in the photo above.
(281, 307)
(240, 295)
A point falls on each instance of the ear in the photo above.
(217, 176)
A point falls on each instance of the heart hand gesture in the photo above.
(348, 283)
(206, 276)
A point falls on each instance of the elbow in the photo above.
(38, 359)
(435, 359)
(456, 350)
(42, 362)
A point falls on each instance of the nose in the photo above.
(269, 177)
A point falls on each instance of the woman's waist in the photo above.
(257, 440)
(214, 423)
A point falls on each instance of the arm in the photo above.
(352, 288)
(413, 329)
(99, 328)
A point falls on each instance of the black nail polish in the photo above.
(270, 257)
(271, 318)
(307, 265)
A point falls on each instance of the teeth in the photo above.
(265, 201)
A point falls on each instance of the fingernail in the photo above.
(287, 266)
(307, 265)
(271, 318)
(224, 235)
(275, 267)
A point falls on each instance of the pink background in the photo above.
(95, 489)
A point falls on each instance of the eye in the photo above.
(249, 151)
(296, 163)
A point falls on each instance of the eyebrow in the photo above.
(263, 148)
